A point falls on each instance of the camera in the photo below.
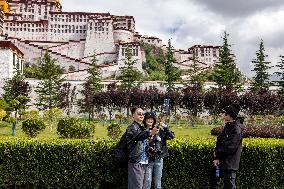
(154, 149)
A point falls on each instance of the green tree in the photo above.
(16, 86)
(280, 73)
(225, 72)
(16, 95)
(154, 65)
(94, 77)
(31, 70)
(90, 88)
(129, 74)
(261, 66)
(4, 105)
(68, 97)
(48, 90)
(171, 72)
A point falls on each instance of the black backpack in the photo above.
(121, 151)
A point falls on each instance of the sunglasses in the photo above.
(140, 113)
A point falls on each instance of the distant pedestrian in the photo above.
(228, 149)
(137, 135)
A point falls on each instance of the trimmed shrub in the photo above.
(114, 130)
(256, 131)
(32, 127)
(74, 128)
(90, 164)
(2, 114)
(30, 114)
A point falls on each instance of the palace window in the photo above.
(202, 52)
(123, 52)
(214, 53)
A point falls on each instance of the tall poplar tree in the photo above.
(128, 73)
(90, 88)
(51, 80)
(95, 76)
(172, 73)
(261, 66)
(225, 72)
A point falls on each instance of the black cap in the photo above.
(233, 110)
(148, 115)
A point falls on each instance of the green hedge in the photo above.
(89, 164)
(75, 128)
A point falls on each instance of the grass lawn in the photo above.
(200, 131)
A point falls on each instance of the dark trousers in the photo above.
(136, 175)
(229, 177)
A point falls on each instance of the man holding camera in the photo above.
(228, 149)
(137, 135)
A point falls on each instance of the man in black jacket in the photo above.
(137, 135)
(228, 149)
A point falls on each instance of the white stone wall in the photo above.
(100, 38)
(137, 55)
(106, 71)
(72, 49)
(32, 53)
(209, 55)
(183, 57)
(124, 23)
(123, 36)
(152, 41)
(61, 29)
(103, 58)
(8, 63)
(26, 30)
(34, 11)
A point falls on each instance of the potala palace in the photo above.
(30, 27)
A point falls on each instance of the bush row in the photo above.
(89, 164)
(257, 131)
(74, 128)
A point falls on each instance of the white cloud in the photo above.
(190, 22)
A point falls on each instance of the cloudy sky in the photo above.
(190, 22)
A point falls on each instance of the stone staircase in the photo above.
(33, 52)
